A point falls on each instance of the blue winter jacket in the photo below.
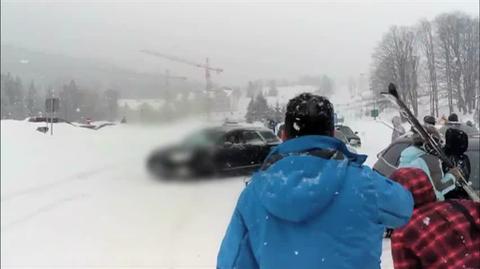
(307, 212)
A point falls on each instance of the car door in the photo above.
(388, 159)
(271, 141)
(230, 152)
(254, 144)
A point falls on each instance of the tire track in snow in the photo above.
(48, 186)
(43, 209)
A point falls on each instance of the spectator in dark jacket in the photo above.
(440, 234)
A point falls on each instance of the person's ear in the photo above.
(283, 135)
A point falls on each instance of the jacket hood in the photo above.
(410, 154)
(300, 186)
(417, 182)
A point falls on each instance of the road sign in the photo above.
(52, 105)
(374, 113)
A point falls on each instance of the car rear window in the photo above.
(340, 136)
(346, 130)
(252, 138)
(392, 154)
(269, 136)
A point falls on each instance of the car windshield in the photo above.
(346, 130)
(340, 136)
(269, 136)
(205, 137)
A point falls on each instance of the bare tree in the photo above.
(470, 61)
(396, 59)
(451, 28)
(426, 42)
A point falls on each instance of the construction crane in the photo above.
(205, 66)
(168, 77)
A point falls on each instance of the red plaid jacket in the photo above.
(438, 235)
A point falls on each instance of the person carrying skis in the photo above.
(313, 204)
(456, 144)
(398, 129)
(419, 156)
(440, 234)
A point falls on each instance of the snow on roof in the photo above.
(285, 93)
(136, 103)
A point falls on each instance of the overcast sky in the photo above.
(248, 39)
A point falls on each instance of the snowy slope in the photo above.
(82, 198)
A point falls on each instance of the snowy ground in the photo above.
(82, 198)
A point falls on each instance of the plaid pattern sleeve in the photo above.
(403, 258)
(438, 236)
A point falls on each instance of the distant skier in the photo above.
(398, 129)
(439, 234)
(313, 204)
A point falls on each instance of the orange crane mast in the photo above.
(205, 66)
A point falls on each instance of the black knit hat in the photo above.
(309, 114)
(453, 117)
(429, 120)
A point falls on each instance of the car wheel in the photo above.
(205, 167)
(157, 169)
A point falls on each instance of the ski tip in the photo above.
(392, 89)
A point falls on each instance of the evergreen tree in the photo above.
(262, 108)
(111, 99)
(18, 100)
(258, 109)
(250, 116)
(272, 91)
(32, 101)
(250, 89)
(279, 113)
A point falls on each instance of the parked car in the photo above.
(388, 159)
(214, 151)
(352, 137)
(340, 136)
(469, 130)
(45, 119)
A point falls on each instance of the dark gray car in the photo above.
(388, 159)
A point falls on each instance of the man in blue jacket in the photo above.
(313, 204)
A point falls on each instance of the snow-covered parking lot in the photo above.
(82, 198)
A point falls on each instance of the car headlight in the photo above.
(181, 156)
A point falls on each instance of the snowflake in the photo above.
(295, 126)
(426, 221)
